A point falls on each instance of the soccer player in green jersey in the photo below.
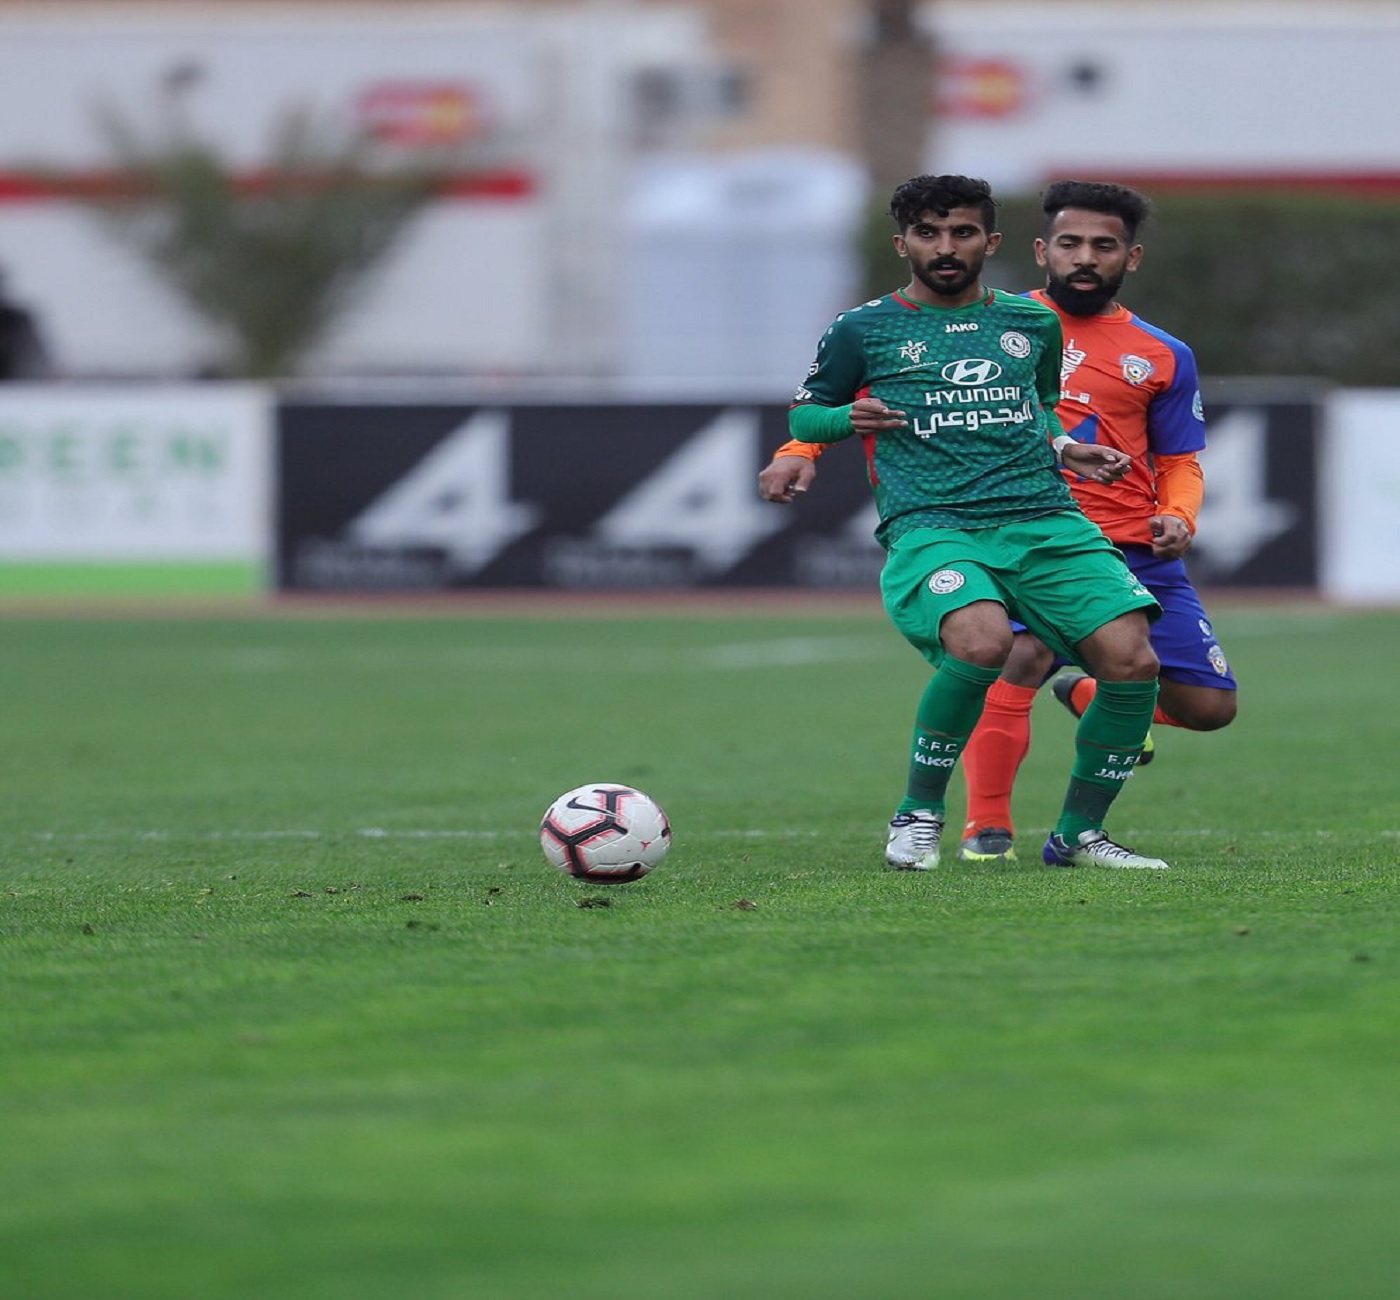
(952, 388)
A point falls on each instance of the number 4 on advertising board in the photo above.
(457, 499)
(702, 499)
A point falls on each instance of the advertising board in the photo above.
(147, 483)
(381, 497)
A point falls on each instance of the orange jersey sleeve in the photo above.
(1181, 487)
(807, 450)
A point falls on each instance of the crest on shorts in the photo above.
(1137, 370)
(944, 581)
(1217, 660)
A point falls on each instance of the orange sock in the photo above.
(994, 755)
(1083, 693)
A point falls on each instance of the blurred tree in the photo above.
(1246, 277)
(272, 259)
(1251, 281)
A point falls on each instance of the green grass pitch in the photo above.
(293, 1008)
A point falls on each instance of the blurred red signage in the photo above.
(981, 87)
(422, 113)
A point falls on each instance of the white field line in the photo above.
(779, 652)
(368, 832)
(746, 833)
(792, 652)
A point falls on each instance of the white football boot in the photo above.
(914, 839)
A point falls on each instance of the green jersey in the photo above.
(978, 385)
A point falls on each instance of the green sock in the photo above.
(1106, 749)
(947, 714)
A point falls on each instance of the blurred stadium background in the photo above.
(433, 297)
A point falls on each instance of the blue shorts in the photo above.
(1183, 638)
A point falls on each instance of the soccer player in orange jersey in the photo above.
(1134, 387)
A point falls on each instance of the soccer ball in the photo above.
(605, 833)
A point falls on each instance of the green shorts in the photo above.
(1057, 574)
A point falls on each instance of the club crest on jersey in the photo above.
(945, 581)
(913, 351)
(1137, 370)
(1015, 344)
(1197, 406)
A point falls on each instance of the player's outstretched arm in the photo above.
(786, 477)
(1092, 461)
(870, 417)
(1180, 491)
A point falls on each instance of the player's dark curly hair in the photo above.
(940, 195)
(1112, 200)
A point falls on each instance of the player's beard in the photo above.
(1082, 301)
(971, 272)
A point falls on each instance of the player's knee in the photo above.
(1141, 667)
(1121, 651)
(977, 634)
(983, 647)
(1127, 662)
(1211, 713)
(986, 649)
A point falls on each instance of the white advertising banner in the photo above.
(1030, 92)
(539, 104)
(232, 79)
(1361, 497)
(114, 474)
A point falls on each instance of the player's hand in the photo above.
(869, 415)
(785, 477)
(1171, 538)
(1091, 461)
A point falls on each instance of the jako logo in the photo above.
(961, 327)
(934, 762)
(1111, 774)
(970, 371)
